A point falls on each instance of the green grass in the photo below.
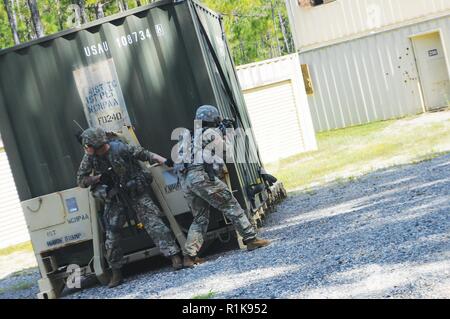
(347, 153)
(23, 272)
(209, 295)
(18, 287)
(16, 248)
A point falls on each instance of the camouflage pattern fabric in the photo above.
(201, 193)
(123, 159)
(148, 214)
(94, 136)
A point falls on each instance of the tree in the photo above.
(123, 5)
(82, 7)
(254, 28)
(36, 18)
(99, 13)
(12, 20)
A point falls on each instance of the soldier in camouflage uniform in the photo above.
(103, 155)
(203, 191)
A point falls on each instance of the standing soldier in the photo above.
(202, 190)
(104, 157)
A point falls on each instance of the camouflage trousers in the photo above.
(147, 212)
(201, 194)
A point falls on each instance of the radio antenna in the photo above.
(78, 124)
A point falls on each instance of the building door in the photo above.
(433, 71)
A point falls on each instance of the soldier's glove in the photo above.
(92, 180)
(169, 163)
(271, 180)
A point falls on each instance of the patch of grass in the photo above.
(348, 153)
(18, 287)
(428, 157)
(23, 272)
(310, 192)
(16, 248)
(209, 295)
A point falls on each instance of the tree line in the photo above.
(256, 29)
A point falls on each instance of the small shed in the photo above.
(278, 107)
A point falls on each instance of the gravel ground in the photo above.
(18, 276)
(385, 235)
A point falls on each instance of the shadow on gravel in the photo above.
(157, 265)
(370, 238)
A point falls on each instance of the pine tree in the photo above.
(36, 18)
(12, 20)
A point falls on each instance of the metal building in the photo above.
(373, 60)
(278, 107)
(14, 230)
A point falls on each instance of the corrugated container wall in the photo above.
(368, 79)
(14, 229)
(344, 19)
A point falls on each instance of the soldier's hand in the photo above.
(169, 163)
(159, 159)
(92, 180)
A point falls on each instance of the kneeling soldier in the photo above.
(102, 156)
(203, 190)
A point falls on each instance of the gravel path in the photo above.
(385, 235)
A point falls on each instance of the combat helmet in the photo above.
(95, 137)
(208, 114)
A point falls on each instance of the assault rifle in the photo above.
(222, 125)
(116, 190)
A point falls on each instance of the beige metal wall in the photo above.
(278, 107)
(346, 19)
(369, 79)
(13, 228)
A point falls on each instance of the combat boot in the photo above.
(256, 243)
(116, 278)
(177, 263)
(190, 262)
